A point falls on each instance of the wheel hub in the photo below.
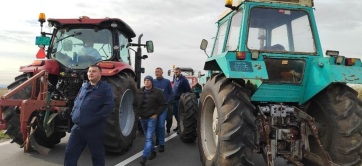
(215, 123)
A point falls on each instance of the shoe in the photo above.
(168, 130)
(175, 129)
(161, 148)
(152, 155)
(143, 161)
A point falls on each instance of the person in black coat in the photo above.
(149, 103)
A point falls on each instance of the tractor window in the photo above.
(280, 30)
(220, 38)
(79, 48)
(282, 40)
(234, 32)
(124, 52)
(285, 70)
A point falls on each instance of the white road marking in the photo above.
(139, 154)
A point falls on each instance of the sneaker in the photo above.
(143, 161)
(152, 156)
(161, 148)
(168, 130)
(175, 129)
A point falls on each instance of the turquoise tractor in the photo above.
(272, 91)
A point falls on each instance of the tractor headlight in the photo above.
(339, 60)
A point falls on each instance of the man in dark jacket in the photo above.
(92, 106)
(149, 103)
(165, 85)
(180, 85)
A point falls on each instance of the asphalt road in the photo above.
(176, 153)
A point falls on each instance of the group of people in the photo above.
(153, 104)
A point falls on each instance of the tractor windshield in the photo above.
(79, 48)
(280, 30)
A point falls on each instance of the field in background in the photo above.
(3, 91)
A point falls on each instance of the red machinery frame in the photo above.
(34, 103)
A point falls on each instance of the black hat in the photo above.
(149, 78)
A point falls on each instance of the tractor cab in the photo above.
(78, 43)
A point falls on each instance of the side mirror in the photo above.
(67, 45)
(203, 45)
(149, 46)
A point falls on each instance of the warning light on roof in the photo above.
(228, 3)
(41, 18)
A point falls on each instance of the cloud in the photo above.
(175, 27)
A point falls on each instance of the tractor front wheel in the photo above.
(226, 128)
(338, 115)
(188, 117)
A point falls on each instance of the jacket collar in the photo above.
(88, 85)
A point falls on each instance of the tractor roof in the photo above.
(237, 3)
(84, 21)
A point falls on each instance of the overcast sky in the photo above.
(175, 27)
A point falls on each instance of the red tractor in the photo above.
(36, 110)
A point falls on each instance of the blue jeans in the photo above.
(149, 126)
(175, 109)
(79, 139)
(160, 130)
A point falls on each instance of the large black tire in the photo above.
(120, 126)
(226, 128)
(188, 117)
(12, 117)
(338, 113)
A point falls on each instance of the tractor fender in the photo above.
(51, 66)
(111, 68)
(233, 68)
(325, 72)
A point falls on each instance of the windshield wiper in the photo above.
(75, 34)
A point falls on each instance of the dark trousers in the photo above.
(169, 117)
(79, 139)
(175, 109)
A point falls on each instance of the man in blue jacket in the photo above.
(180, 85)
(165, 85)
(91, 108)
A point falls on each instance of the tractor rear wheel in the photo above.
(120, 126)
(188, 117)
(338, 115)
(12, 117)
(226, 128)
